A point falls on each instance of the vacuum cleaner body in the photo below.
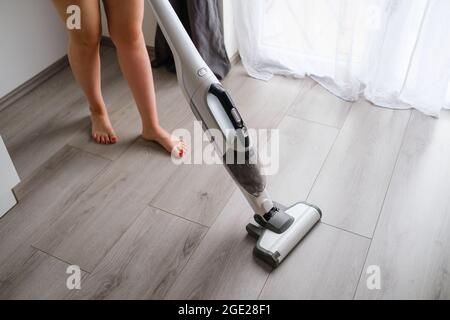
(278, 229)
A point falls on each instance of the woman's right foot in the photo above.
(102, 131)
(173, 145)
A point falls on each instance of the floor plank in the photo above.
(38, 125)
(126, 122)
(321, 106)
(316, 268)
(223, 267)
(303, 148)
(197, 192)
(44, 196)
(353, 182)
(45, 133)
(89, 229)
(235, 78)
(40, 277)
(146, 260)
(411, 243)
(264, 104)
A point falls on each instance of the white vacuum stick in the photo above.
(278, 229)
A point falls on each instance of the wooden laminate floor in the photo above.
(141, 227)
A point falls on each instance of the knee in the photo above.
(85, 38)
(127, 37)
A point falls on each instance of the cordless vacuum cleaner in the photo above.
(277, 229)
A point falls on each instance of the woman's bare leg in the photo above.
(84, 59)
(125, 27)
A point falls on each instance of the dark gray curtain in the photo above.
(202, 21)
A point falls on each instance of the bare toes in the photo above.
(180, 149)
(102, 131)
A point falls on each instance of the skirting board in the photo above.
(34, 82)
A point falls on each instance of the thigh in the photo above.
(90, 16)
(124, 17)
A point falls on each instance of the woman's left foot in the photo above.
(171, 144)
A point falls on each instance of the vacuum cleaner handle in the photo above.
(228, 105)
(278, 230)
(212, 105)
(192, 71)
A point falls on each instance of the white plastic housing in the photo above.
(305, 217)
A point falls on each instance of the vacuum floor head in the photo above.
(273, 247)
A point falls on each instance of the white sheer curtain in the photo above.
(396, 53)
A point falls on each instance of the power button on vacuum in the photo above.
(202, 72)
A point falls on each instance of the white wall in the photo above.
(32, 38)
(149, 26)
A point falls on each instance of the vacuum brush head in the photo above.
(273, 247)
